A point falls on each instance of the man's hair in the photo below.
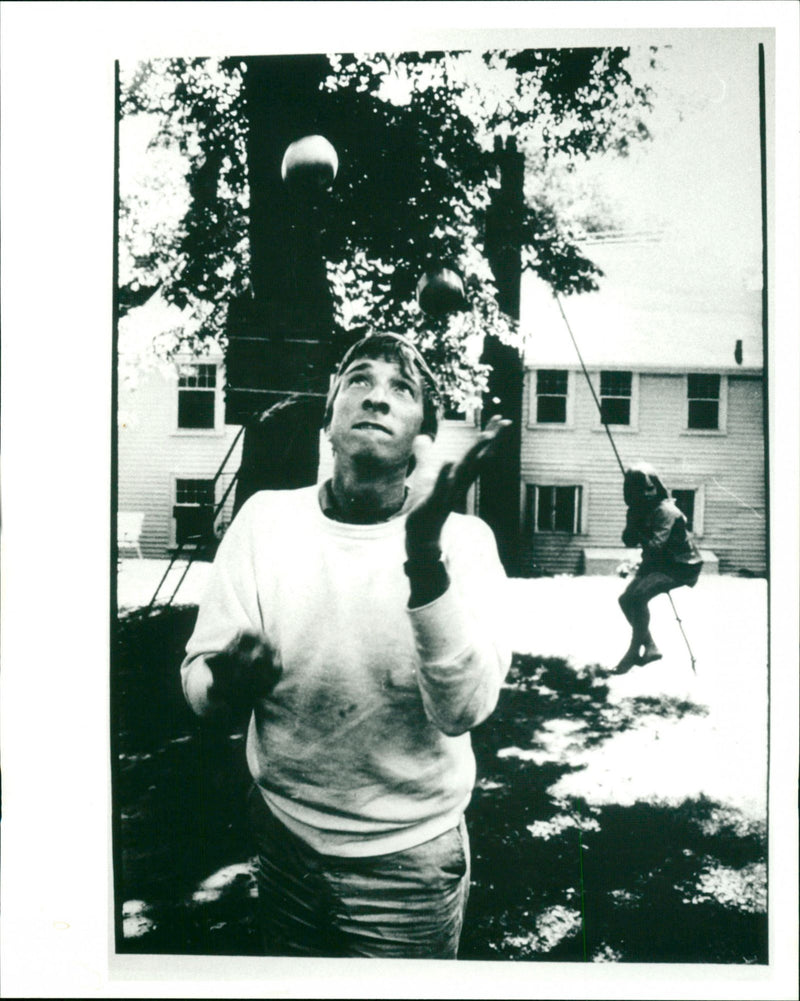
(392, 347)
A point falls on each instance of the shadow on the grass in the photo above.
(559, 880)
(552, 880)
(179, 791)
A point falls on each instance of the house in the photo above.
(674, 352)
(171, 442)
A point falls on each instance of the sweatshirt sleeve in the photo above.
(461, 636)
(228, 606)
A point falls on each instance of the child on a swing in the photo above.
(670, 557)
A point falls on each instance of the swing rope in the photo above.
(589, 382)
(616, 453)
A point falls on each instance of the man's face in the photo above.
(377, 413)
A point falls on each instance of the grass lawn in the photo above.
(615, 819)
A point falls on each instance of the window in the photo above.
(452, 413)
(703, 393)
(197, 396)
(551, 396)
(193, 512)
(691, 500)
(616, 391)
(555, 508)
(684, 499)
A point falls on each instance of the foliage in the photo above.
(416, 135)
(201, 262)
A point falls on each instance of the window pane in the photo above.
(551, 381)
(703, 414)
(207, 376)
(193, 525)
(703, 387)
(615, 383)
(452, 413)
(195, 408)
(558, 509)
(551, 410)
(684, 499)
(544, 515)
(614, 410)
(192, 376)
(564, 515)
(194, 492)
(530, 507)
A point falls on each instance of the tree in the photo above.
(201, 260)
(432, 149)
(415, 134)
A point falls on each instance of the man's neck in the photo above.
(363, 500)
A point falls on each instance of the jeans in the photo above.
(408, 904)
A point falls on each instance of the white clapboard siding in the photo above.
(727, 467)
(152, 453)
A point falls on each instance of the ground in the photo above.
(615, 818)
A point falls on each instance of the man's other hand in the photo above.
(243, 672)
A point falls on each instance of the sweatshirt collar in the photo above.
(330, 509)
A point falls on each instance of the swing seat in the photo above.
(607, 561)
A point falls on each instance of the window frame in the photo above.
(699, 503)
(173, 521)
(633, 425)
(533, 421)
(470, 416)
(218, 427)
(722, 413)
(531, 511)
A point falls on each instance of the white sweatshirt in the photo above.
(362, 748)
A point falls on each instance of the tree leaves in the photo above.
(415, 134)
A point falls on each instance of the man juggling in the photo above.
(360, 625)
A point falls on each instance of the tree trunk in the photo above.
(499, 494)
(279, 339)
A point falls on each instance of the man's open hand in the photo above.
(427, 517)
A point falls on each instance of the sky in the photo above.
(699, 178)
(696, 186)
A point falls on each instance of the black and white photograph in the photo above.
(443, 579)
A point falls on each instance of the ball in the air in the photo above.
(310, 162)
(440, 292)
